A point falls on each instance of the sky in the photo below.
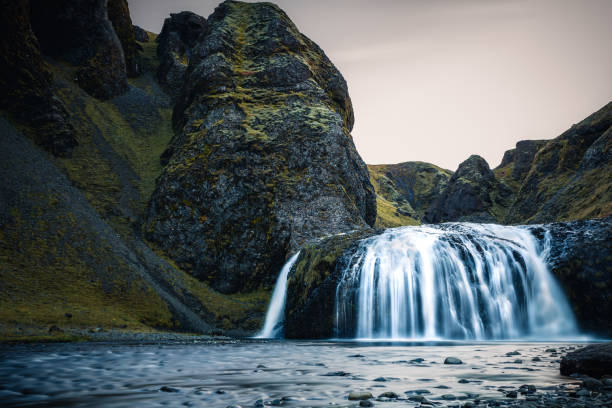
(439, 80)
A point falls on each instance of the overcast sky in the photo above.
(438, 80)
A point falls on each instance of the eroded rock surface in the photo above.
(262, 160)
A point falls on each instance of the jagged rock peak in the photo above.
(262, 160)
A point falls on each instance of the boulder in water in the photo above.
(360, 395)
(452, 360)
(594, 360)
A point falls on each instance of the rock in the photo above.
(449, 397)
(463, 381)
(356, 355)
(473, 194)
(388, 394)
(359, 395)
(536, 359)
(583, 393)
(81, 34)
(551, 350)
(119, 15)
(519, 159)
(591, 383)
(140, 34)
(452, 360)
(168, 389)
(579, 260)
(416, 398)
(231, 406)
(68, 315)
(513, 353)
(381, 379)
(262, 160)
(527, 389)
(26, 86)
(594, 360)
(512, 394)
(518, 361)
(179, 34)
(259, 404)
(336, 374)
(276, 403)
(55, 330)
(366, 403)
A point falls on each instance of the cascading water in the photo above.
(451, 281)
(276, 310)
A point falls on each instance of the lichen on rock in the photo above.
(262, 160)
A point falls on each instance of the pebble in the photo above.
(463, 381)
(366, 403)
(536, 359)
(359, 395)
(388, 394)
(357, 355)
(452, 360)
(168, 389)
(336, 374)
(518, 361)
(381, 379)
(416, 398)
(449, 397)
(512, 394)
(513, 353)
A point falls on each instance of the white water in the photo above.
(276, 310)
(452, 281)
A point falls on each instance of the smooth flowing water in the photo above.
(452, 281)
(273, 326)
(287, 373)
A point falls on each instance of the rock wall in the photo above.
(262, 160)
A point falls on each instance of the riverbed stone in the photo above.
(452, 360)
(360, 395)
(388, 394)
(594, 360)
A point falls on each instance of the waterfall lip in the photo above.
(276, 309)
(452, 281)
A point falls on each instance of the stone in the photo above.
(359, 395)
(366, 403)
(463, 381)
(388, 394)
(591, 384)
(55, 330)
(452, 360)
(594, 360)
(168, 389)
(513, 353)
(140, 34)
(449, 397)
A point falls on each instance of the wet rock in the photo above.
(518, 361)
(359, 395)
(527, 389)
(168, 389)
(536, 359)
(276, 403)
(417, 360)
(551, 350)
(381, 379)
(448, 397)
(336, 374)
(452, 360)
(583, 393)
(463, 381)
(389, 394)
(594, 360)
(512, 394)
(591, 384)
(513, 353)
(356, 355)
(416, 398)
(366, 403)
(233, 406)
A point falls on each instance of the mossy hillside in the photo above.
(262, 160)
(410, 188)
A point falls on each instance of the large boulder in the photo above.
(473, 194)
(179, 34)
(80, 33)
(262, 160)
(594, 360)
(26, 89)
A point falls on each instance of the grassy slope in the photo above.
(54, 262)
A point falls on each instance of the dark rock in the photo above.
(140, 34)
(580, 260)
(473, 194)
(259, 167)
(336, 374)
(55, 330)
(389, 394)
(26, 89)
(594, 360)
(381, 379)
(527, 389)
(449, 397)
(168, 389)
(463, 381)
(68, 315)
(119, 15)
(513, 353)
(512, 394)
(536, 359)
(452, 360)
(179, 34)
(520, 158)
(366, 403)
(80, 32)
(591, 383)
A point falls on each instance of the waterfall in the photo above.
(276, 310)
(451, 281)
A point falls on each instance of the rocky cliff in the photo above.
(262, 159)
(562, 179)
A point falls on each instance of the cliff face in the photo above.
(562, 179)
(262, 159)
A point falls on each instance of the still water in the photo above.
(287, 373)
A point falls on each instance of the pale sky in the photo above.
(439, 80)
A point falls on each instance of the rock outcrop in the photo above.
(472, 194)
(405, 191)
(262, 160)
(594, 360)
(119, 15)
(571, 176)
(80, 33)
(140, 34)
(26, 89)
(179, 34)
(581, 260)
